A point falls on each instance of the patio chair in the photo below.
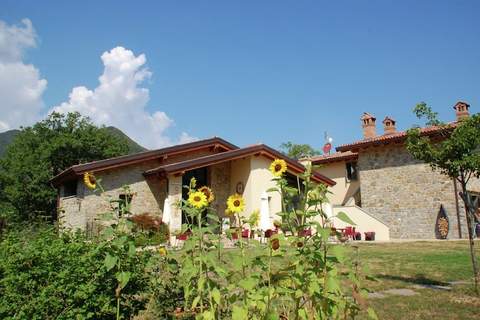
(349, 232)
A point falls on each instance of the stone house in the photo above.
(378, 176)
(153, 176)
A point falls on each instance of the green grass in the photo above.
(402, 265)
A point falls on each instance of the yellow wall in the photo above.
(253, 172)
(261, 182)
(344, 190)
(240, 172)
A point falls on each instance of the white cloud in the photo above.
(120, 101)
(21, 87)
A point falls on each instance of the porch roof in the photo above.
(259, 149)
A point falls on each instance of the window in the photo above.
(352, 173)
(70, 188)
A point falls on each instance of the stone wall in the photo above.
(219, 180)
(405, 193)
(149, 193)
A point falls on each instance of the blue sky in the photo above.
(266, 71)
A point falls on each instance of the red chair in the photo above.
(349, 232)
(305, 233)
(245, 233)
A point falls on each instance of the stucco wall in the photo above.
(364, 222)
(344, 190)
(261, 181)
(254, 174)
(404, 193)
(240, 172)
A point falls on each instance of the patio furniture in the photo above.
(305, 233)
(369, 236)
(349, 232)
(358, 236)
(184, 236)
(245, 233)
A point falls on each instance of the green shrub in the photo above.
(45, 276)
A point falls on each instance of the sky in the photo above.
(168, 72)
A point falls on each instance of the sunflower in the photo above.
(278, 167)
(90, 181)
(162, 251)
(197, 199)
(235, 203)
(208, 193)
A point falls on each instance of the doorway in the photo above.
(201, 175)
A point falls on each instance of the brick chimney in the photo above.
(389, 125)
(461, 110)
(368, 125)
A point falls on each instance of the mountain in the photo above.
(133, 147)
(7, 137)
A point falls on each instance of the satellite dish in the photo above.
(327, 147)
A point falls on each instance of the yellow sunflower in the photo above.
(162, 251)
(208, 193)
(278, 167)
(235, 203)
(197, 199)
(90, 181)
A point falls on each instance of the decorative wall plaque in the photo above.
(239, 188)
(442, 226)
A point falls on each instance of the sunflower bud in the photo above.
(275, 243)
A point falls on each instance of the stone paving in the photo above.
(407, 292)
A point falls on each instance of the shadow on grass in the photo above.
(417, 279)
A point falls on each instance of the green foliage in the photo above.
(45, 276)
(297, 151)
(40, 152)
(422, 110)
(291, 277)
(456, 154)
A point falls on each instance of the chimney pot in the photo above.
(461, 110)
(389, 125)
(368, 125)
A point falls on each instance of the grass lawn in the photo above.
(403, 265)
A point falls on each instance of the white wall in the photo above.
(344, 190)
(364, 222)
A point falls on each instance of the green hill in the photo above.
(132, 145)
(7, 137)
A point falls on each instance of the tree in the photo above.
(40, 152)
(456, 154)
(297, 151)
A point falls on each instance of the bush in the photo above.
(43, 276)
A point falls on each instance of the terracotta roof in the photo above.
(394, 137)
(260, 149)
(80, 169)
(334, 157)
